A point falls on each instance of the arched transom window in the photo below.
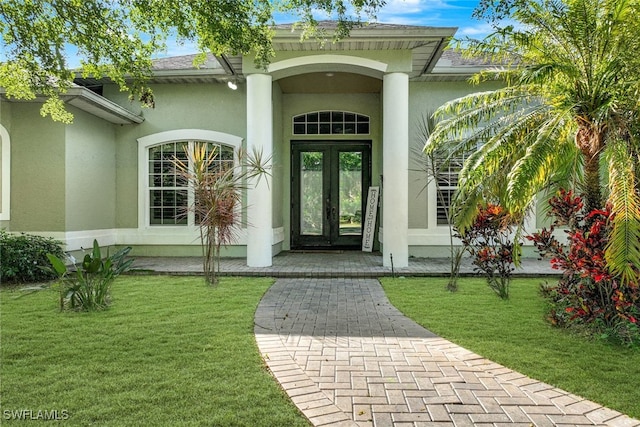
(331, 123)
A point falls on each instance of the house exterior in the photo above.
(335, 119)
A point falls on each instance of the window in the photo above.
(168, 190)
(446, 186)
(331, 123)
(165, 194)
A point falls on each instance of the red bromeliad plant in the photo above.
(588, 293)
(489, 242)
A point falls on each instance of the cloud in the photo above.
(449, 13)
(175, 48)
(480, 30)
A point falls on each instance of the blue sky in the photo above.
(434, 13)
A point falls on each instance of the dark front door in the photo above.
(329, 183)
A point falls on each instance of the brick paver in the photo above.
(347, 357)
(327, 265)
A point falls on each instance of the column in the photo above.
(259, 136)
(395, 170)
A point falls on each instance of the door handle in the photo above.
(327, 209)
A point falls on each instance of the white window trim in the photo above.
(5, 145)
(178, 135)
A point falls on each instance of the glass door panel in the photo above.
(311, 194)
(350, 193)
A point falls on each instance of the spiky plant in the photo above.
(218, 192)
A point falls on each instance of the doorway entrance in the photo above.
(329, 183)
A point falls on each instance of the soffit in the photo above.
(330, 83)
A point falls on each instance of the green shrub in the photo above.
(87, 287)
(23, 257)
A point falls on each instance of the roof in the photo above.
(431, 60)
(426, 43)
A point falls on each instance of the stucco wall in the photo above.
(424, 99)
(90, 159)
(178, 106)
(37, 170)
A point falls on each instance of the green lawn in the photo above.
(515, 334)
(169, 351)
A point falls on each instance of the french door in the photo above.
(329, 183)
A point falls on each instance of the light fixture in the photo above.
(232, 85)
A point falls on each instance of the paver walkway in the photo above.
(329, 264)
(347, 357)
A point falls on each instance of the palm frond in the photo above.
(623, 250)
(533, 171)
(465, 207)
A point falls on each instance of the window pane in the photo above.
(226, 153)
(311, 193)
(168, 207)
(363, 128)
(349, 128)
(350, 189)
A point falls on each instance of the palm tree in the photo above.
(567, 112)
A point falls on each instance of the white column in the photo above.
(395, 170)
(259, 136)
